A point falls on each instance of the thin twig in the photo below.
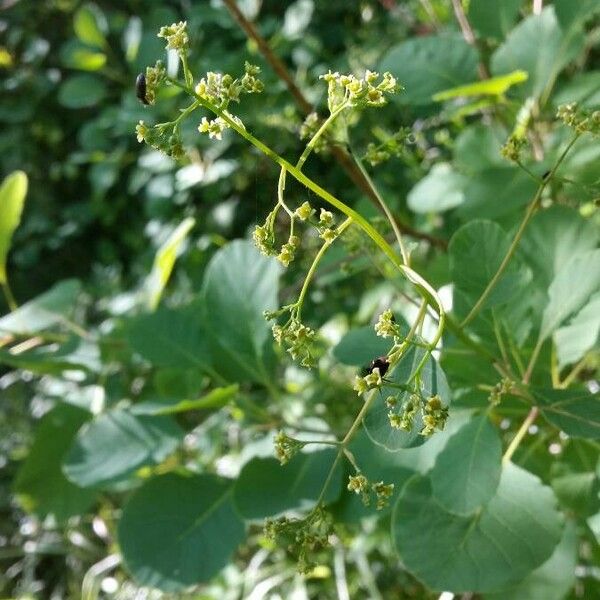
(467, 32)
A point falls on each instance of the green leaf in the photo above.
(360, 346)
(427, 65)
(538, 46)
(170, 338)
(179, 530)
(40, 484)
(12, 199)
(583, 88)
(467, 471)
(76, 55)
(46, 310)
(81, 91)
(476, 252)
(579, 335)
(433, 381)
(578, 492)
(494, 86)
(496, 192)
(239, 284)
(117, 443)
(552, 238)
(265, 488)
(551, 581)
(576, 412)
(216, 398)
(571, 289)
(575, 14)
(493, 19)
(512, 535)
(75, 354)
(87, 24)
(440, 190)
(164, 261)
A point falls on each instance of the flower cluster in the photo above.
(176, 36)
(368, 382)
(435, 415)
(288, 250)
(154, 76)
(286, 447)
(359, 484)
(579, 119)
(357, 92)
(309, 128)
(386, 325)
(502, 387)
(432, 411)
(512, 148)
(405, 418)
(162, 137)
(302, 537)
(264, 237)
(298, 340)
(220, 89)
(304, 211)
(215, 127)
(393, 146)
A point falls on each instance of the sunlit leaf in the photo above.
(164, 262)
(12, 199)
(494, 86)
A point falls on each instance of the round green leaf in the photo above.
(116, 444)
(179, 530)
(377, 422)
(427, 65)
(81, 91)
(467, 471)
(265, 487)
(512, 535)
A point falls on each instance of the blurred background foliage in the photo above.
(100, 205)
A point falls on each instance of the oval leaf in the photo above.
(239, 285)
(116, 444)
(179, 530)
(467, 472)
(512, 535)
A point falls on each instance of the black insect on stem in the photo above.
(381, 363)
(140, 88)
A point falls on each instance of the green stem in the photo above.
(315, 264)
(10, 299)
(423, 286)
(386, 210)
(520, 231)
(514, 444)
